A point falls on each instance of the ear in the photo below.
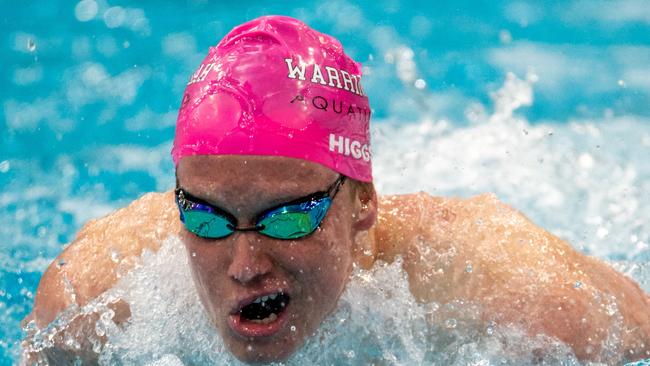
(365, 206)
(365, 209)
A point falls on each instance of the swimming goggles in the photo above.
(291, 220)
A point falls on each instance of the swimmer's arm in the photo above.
(103, 249)
(484, 251)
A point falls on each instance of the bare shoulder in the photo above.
(446, 236)
(103, 247)
(482, 250)
(408, 218)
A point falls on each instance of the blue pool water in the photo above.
(545, 105)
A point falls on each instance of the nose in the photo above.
(249, 261)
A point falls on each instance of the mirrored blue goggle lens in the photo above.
(295, 221)
(206, 224)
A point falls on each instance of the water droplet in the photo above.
(577, 284)
(86, 10)
(4, 166)
(293, 328)
(469, 268)
(249, 348)
(115, 255)
(505, 36)
(60, 263)
(420, 84)
(115, 16)
(31, 45)
(621, 83)
(69, 339)
(193, 254)
(489, 330)
(451, 323)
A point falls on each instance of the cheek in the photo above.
(205, 266)
(321, 264)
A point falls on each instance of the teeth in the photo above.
(265, 299)
(270, 319)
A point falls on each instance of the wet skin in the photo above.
(312, 270)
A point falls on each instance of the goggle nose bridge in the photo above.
(247, 228)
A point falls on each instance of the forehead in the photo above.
(232, 178)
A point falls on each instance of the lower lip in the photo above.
(249, 329)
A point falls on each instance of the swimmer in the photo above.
(275, 205)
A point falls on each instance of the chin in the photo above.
(256, 352)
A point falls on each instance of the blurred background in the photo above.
(545, 103)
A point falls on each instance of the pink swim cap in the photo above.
(274, 86)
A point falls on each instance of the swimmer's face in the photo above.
(265, 295)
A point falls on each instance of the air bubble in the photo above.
(293, 328)
(577, 284)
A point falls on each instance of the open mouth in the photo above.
(265, 309)
(263, 316)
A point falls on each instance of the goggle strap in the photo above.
(337, 185)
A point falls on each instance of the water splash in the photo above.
(514, 93)
(377, 320)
